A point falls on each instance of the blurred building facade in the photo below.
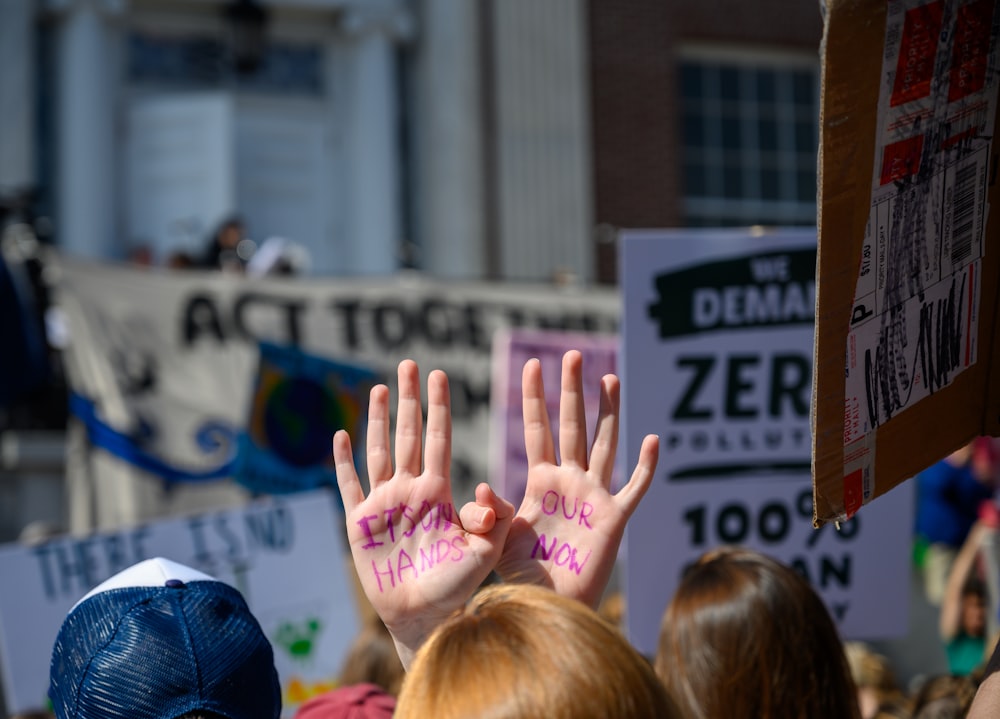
(468, 139)
(704, 114)
(494, 139)
(357, 128)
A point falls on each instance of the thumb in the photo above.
(488, 514)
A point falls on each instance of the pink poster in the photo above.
(511, 349)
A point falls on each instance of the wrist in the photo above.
(410, 634)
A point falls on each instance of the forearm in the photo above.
(951, 605)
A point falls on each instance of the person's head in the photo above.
(944, 696)
(744, 634)
(612, 609)
(873, 678)
(896, 709)
(522, 651)
(351, 701)
(228, 248)
(229, 233)
(161, 641)
(372, 659)
(973, 617)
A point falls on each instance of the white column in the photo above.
(85, 114)
(449, 148)
(17, 96)
(543, 139)
(372, 144)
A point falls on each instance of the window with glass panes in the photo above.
(749, 132)
(197, 62)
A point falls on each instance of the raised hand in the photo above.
(567, 531)
(415, 559)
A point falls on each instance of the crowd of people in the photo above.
(229, 249)
(493, 625)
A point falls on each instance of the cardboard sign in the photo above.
(286, 556)
(906, 365)
(717, 341)
(511, 349)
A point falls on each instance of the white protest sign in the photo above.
(286, 556)
(511, 349)
(717, 340)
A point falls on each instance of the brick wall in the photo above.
(636, 152)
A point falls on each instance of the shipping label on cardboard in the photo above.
(914, 321)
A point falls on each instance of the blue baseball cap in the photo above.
(160, 640)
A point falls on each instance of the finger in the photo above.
(602, 453)
(485, 495)
(409, 419)
(572, 414)
(642, 476)
(377, 441)
(477, 518)
(537, 435)
(437, 454)
(480, 516)
(347, 476)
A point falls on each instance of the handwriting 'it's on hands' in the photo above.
(417, 558)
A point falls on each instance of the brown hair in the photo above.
(744, 634)
(943, 695)
(523, 651)
(372, 659)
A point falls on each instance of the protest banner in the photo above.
(717, 339)
(511, 349)
(285, 555)
(162, 364)
(906, 359)
(299, 401)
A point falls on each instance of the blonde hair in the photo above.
(872, 671)
(612, 610)
(523, 651)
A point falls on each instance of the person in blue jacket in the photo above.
(949, 494)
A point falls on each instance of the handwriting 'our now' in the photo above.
(563, 553)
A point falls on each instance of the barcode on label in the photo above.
(964, 213)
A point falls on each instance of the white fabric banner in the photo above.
(162, 363)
